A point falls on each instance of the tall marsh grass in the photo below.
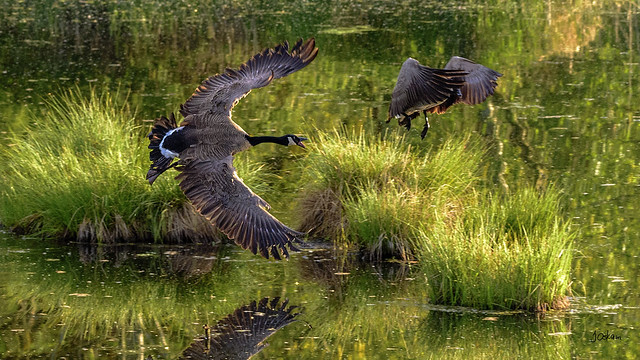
(477, 248)
(375, 191)
(510, 252)
(78, 173)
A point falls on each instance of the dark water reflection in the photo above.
(184, 262)
(565, 113)
(135, 302)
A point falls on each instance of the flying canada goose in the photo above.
(207, 139)
(421, 88)
(243, 334)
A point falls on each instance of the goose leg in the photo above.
(426, 126)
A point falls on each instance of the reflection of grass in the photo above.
(452, 335)
(477, 250)
(79, 173)
(91, 314)
(138, 307)
(366, 319)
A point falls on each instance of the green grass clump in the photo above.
(506, 251)
(346, 161)
(373, 192)
(510, 252)
(383, 221)
(78, 173)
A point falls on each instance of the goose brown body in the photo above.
(207, 175)
(421, 88)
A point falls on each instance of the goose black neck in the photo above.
(255, 140)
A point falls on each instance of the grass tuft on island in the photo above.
(374, 192)
(477, 249)
(78, 174)
(505, 252)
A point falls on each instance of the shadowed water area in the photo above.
(566, 112)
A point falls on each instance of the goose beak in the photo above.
(299, 143)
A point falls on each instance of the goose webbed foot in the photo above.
(406, 120)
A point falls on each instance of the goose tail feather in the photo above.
(159, 162)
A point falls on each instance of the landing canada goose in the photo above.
(207, 139)
(421, 88)
(243, 334)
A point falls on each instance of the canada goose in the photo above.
(421, 88)
(207, 139)
(242, 334)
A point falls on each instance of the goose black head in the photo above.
(295, 140)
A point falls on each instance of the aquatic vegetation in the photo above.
(374, 191)
(366, 307)
(358, 29)
(477, 248)
(505, 252)
(78, 173)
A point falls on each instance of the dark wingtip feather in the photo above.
(275, 252)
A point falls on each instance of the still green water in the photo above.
(565, 112)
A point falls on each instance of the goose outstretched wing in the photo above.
(220, 93)
(479, 83)
(420, 87)
(217, 192)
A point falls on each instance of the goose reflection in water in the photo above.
(243, 333)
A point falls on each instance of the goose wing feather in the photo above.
(479, 83)
(420, 87)
(219, 195)
(219, 93)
